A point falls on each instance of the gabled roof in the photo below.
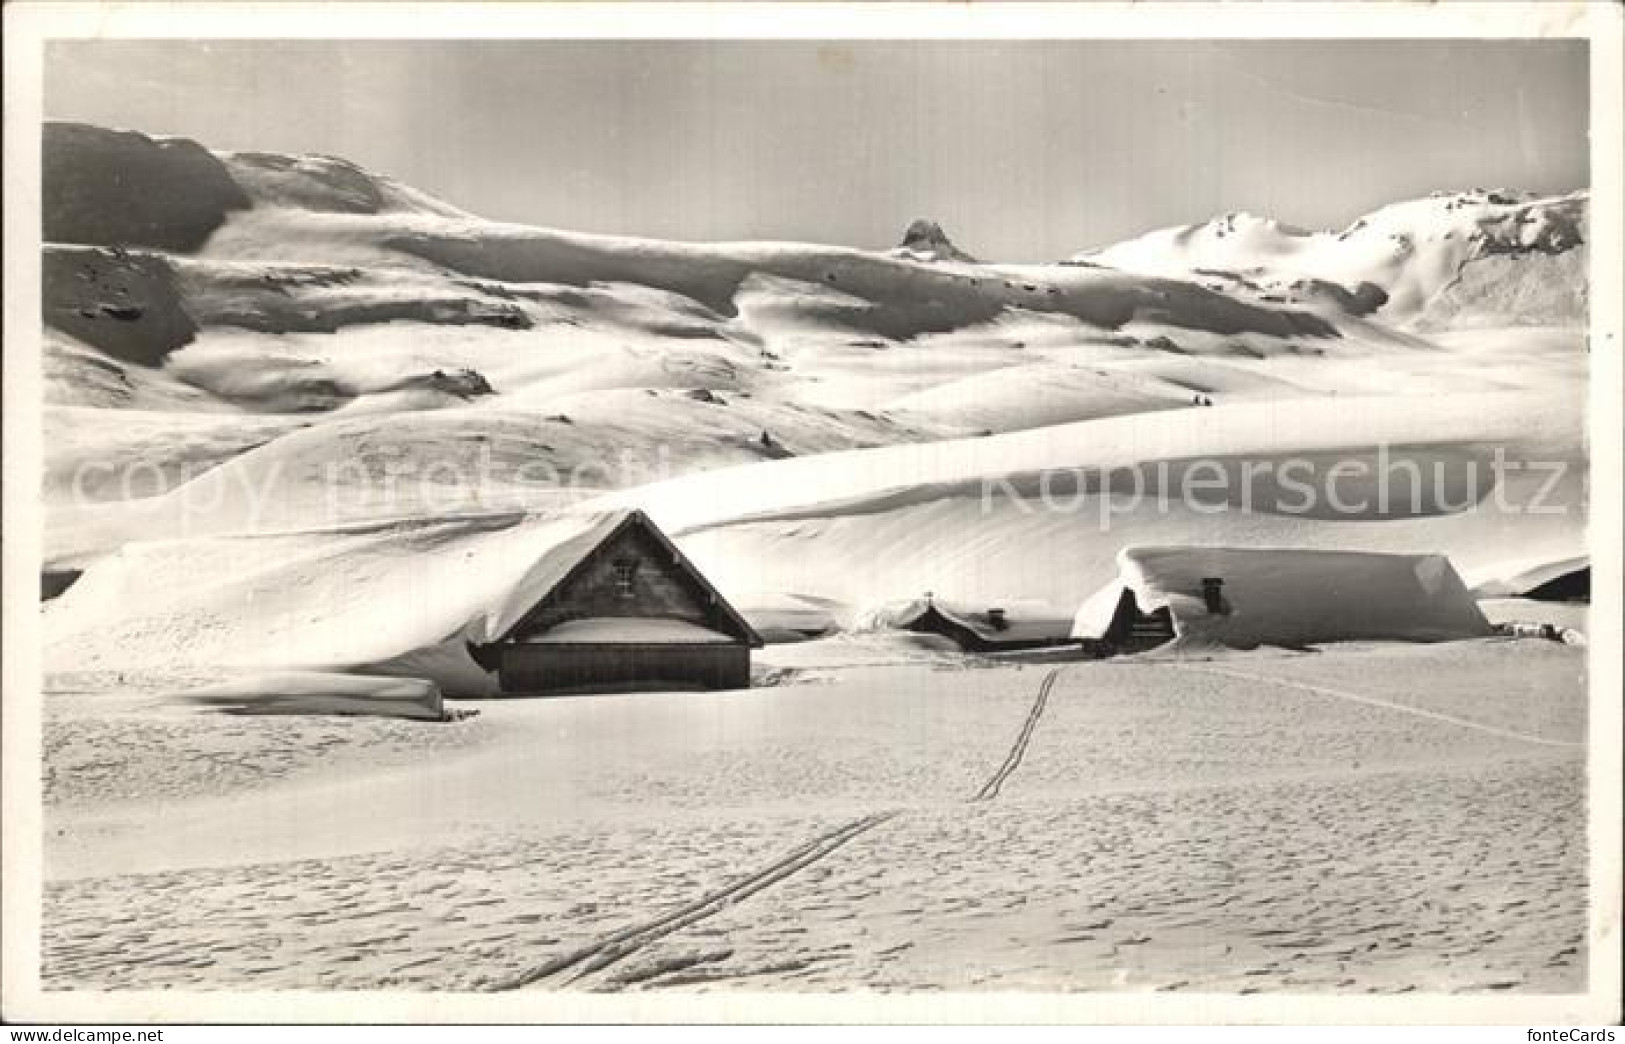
(401, 597)
(565, 559)
(1291, 596)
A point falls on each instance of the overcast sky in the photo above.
(1024, 151)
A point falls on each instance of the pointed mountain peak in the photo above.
(926, 241)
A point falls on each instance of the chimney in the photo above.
(996, 618)
(1213, 594)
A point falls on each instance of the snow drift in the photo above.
(1431, 261)
(408, 599)
(1289, 596)
(401, 599)
(315, 692)
(1043, 513)
(819, 532)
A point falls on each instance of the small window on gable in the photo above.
(626, 571)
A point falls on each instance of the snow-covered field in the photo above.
(1279, 822)
(302, 420)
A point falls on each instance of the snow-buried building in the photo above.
(480, 605)
(1245, 598)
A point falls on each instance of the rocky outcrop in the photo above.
(924, 240)
(104, 187)
(122, 302)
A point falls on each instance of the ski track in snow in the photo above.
(1012, 761)
(600, 955)
(1340, 694)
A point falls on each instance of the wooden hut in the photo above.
(1130, 630)
(622, 610)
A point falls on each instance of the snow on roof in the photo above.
(629, 630)
(575, 540)
(559, 561)
(1022, 621)
(1290, 596)
(398, 598)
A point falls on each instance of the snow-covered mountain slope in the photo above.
(303, 286)
(1469, 258)
(292, 345)
(1041, 514)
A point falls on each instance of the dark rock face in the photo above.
(1361, 300)
(119, 188)
(924, 232)
(463, 383)
(926, 238)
